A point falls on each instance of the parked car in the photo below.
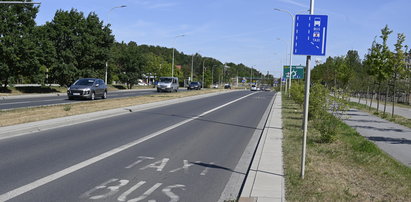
(215, 86)
(88, 88)
(194, 85)
(227, 86)
(168, 84)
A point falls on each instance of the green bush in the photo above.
(297, 93)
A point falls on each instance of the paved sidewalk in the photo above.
(402, 111)
(392, 138)
(265, 180)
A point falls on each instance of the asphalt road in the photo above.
(188, 151)
(15, 102)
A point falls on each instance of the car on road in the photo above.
(87, 88)
(253, 88)
(167, 84)
(194, 85)
(227, 86)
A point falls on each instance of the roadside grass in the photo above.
(349, 169)
(25, 115)
(396, 119)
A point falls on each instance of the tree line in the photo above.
(73, 45)
(383, 73)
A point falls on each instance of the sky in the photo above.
(250, 32)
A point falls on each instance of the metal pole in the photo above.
(202, 85)
(108, 15)
(291, 45)
(18, 2)
(172, 61)
(306, 103)
(192, 65)
(291, 53)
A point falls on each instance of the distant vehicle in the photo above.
(215, 86)
(265, 88)
(168, 84)
(194, 85)
(88, 88)
(227, 86)
(253, 88)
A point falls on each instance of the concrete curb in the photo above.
(265, 180)
(27, 128)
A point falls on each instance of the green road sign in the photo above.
(297, 72)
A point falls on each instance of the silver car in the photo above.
(88, 88)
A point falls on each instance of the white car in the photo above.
(253, 88)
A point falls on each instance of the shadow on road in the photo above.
(380, 129)
(390, 140)
(209, 165)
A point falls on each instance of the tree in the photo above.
(379, 60)
(398, 64)
(129, 61)
(18, 49)
(82, 45)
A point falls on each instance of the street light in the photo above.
(286, 82)
(192, 65)
(202, 85)
(172, 63)
(291, 42)
(108, 14)
(18, 2)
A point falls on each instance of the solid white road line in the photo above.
(33, 185)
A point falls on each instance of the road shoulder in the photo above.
(265, 180)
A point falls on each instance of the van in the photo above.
(168, 84)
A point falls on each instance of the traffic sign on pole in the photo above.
(297, 72)
(310, 35)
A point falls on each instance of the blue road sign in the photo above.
(310, 34)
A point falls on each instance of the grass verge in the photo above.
(396, 119)
(26, 115)
(349, 169)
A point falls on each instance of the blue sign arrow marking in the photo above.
(310, 34)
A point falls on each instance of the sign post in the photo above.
(309, 39)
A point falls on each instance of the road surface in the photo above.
(188, 151)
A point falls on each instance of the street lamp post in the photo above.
(172, 62)
(291, 43)
(18, 2)
(289, 76)
(202, 85)
(108, 14)
(192, 64)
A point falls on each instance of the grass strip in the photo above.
(387, 116)
(349, 169)
(25, 115)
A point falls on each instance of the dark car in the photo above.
(87, 88)
(227, 86)
(194, 85)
